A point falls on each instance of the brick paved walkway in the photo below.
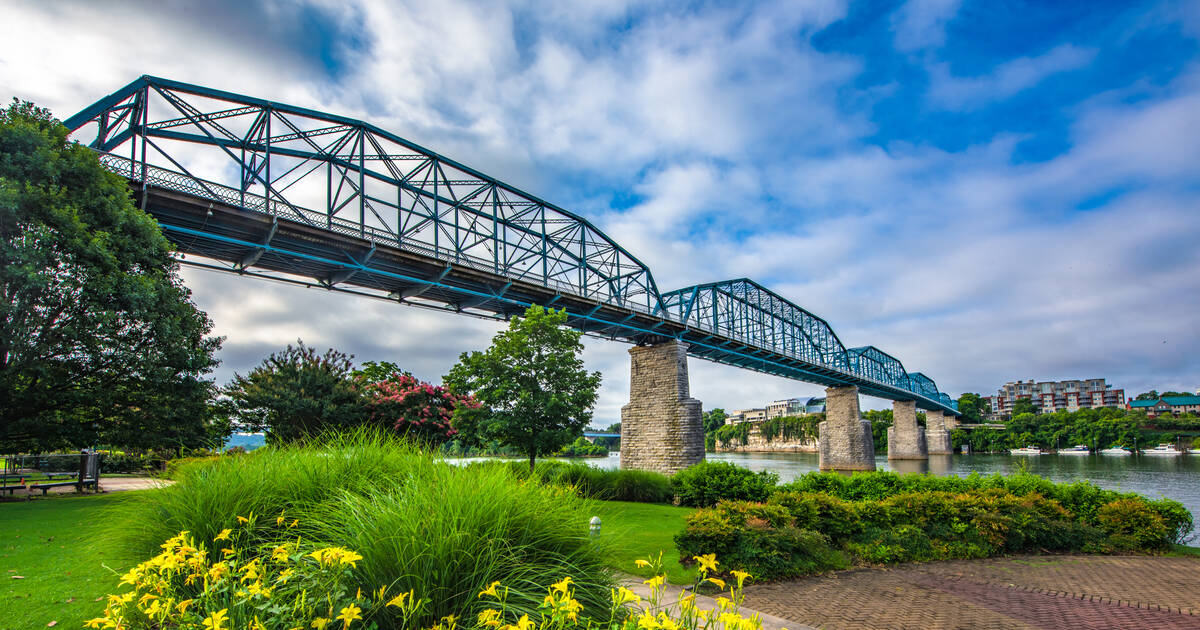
(1078, 592)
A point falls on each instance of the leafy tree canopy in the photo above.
(972, 407)
(296, 394)
(535, 392)
(99, 341)
(713, 419)
(1023, 405)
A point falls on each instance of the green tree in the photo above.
(973, 407)
(713, 419)
(297, 393)
(1023, 405)
(531, 382)
(99, 341)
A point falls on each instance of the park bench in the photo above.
(87, 476)
(45, 487)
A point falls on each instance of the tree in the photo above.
(973, 407)
(402, 403)
(296, 394)
(1023, 405)
(535, 392)
(713, 419)
(99, 341)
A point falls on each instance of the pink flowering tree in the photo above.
(415, 409)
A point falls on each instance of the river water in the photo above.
(1173, 476)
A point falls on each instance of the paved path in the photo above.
(1078, 592)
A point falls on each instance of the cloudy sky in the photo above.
(987, 190)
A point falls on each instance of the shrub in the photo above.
(757, 538)
(642, 486)
(447, 531)
(1132, 524)
(706, 483)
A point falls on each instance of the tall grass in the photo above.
(642, 486)
(420, 523)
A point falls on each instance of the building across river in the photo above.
(1051, 396)
(778, 409)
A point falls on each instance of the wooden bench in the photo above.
(45, 487)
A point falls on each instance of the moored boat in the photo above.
(1116, 450)
(1026, 450)
(1161, 449)
(1078, 449)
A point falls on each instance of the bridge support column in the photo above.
(937, 433)
(906, 439)
(845, 440)
(661, 427)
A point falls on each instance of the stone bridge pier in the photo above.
(661, 427)
(845, 441)
(937, 432)
(906, 439)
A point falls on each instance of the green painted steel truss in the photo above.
(266, 189)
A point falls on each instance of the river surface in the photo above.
(1173, 476)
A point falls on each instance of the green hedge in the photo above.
(798, 532)
(706, 483)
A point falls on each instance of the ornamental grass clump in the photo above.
(418, 523)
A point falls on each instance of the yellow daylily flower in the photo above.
(242, 520)
(98, 622)
(740, 575)
(647, 621)
(623, 595)
(183, 605)
(398, 601)
(708, 562)
(224, 535)
(562, 585)
(719, 582)
(642, 564)
(350, 613)
(320, 622)
(656, 581)
(216, 621)
(524, 623)
(489, 617)
(490, 590)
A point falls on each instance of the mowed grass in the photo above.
(642, 530)
(51, 567)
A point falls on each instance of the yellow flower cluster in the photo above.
(233, 587)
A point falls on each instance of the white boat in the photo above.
(1026, 450)
(1162, 449)
(1193, 451)
(1078, 449)
(1116, 450)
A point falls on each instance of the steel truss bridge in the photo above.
(270, 190)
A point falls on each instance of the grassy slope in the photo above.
(47, 542)
(642, 530)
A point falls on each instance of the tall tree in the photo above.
(713, 419)
(297, 393)
(972, 407)
(99, 341)
(535, 392)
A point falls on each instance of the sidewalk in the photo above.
(1078, 592)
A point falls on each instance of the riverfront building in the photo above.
(778, 409)
(1052, 396)
(1174, 405)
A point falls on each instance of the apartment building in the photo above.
(778, 409)
(1051, 396)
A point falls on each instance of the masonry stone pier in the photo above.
(661, 427)
(937, 433)
(906, 439)
(846, 442)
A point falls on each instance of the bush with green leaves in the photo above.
(419, 523)
(706, 483)
(916, 526)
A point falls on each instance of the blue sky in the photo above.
(986, 190)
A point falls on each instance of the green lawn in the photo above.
(51, 570)
(642, 530)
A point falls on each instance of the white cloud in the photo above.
(921, 24)
(1009, 78)
(730, 131)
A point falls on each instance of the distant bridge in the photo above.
(264, 189)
